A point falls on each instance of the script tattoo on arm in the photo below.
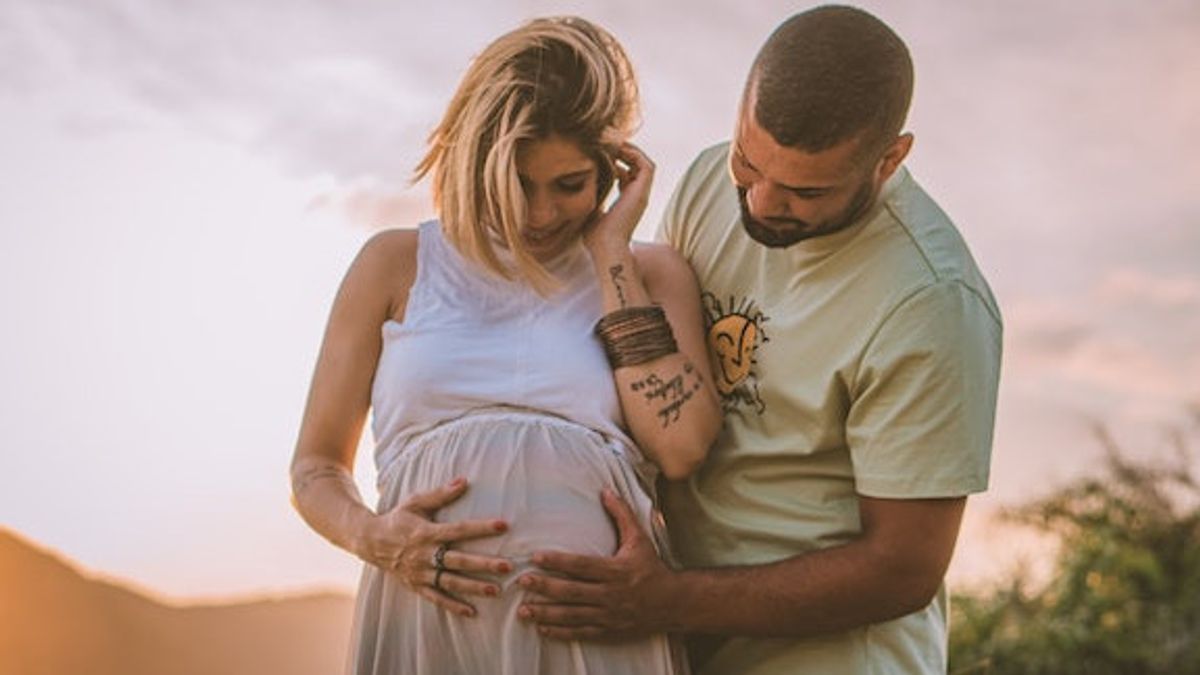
(617, 274)
(322, 472)
(672, 393)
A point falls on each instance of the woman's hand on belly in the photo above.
(405, 543)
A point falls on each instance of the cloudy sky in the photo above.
(182, 185)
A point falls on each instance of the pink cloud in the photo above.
(1130, 285)
(1124, 365)
(376, 207)
(1129, 341)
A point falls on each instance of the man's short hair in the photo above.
(831, 74)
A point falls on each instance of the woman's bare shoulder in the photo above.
(384, 270)
(391, 248)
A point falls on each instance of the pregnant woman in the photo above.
(518, 356)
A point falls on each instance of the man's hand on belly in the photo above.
(602, 598)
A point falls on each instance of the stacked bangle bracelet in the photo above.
(635, 335)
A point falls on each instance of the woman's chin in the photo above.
(548, 248)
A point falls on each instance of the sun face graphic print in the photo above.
(735, 331)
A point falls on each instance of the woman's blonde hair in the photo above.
(558, 75)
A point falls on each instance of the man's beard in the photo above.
(783, 232)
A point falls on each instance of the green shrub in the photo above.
(1124, 595)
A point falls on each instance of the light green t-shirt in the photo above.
(862, 362)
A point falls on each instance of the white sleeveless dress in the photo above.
(487, 380)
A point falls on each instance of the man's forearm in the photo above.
(894, 568)
(825, 591)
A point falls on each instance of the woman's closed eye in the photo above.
(571, 187)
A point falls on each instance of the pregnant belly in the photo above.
(540, 473)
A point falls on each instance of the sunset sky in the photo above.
(182, 185)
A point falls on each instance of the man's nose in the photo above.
(766, 200)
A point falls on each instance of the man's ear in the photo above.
(893, 157)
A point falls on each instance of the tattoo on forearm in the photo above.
(673, 393)
(315, 474)
(617, 274)
(655, 387)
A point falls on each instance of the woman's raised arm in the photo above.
(667, 395)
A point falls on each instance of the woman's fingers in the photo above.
(448, 533)
(635, 177)
(634, 173)
(434, 499)
(635, 157)
(428, 503)
(470, 562)
(458, 584)
(445, 601)
(449, 588)
(622, 174)
(637, 164)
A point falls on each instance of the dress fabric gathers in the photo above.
(488, 380)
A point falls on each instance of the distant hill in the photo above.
(56, 621)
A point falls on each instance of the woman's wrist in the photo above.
(608, 247)
(620, 281)
(362, 527)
